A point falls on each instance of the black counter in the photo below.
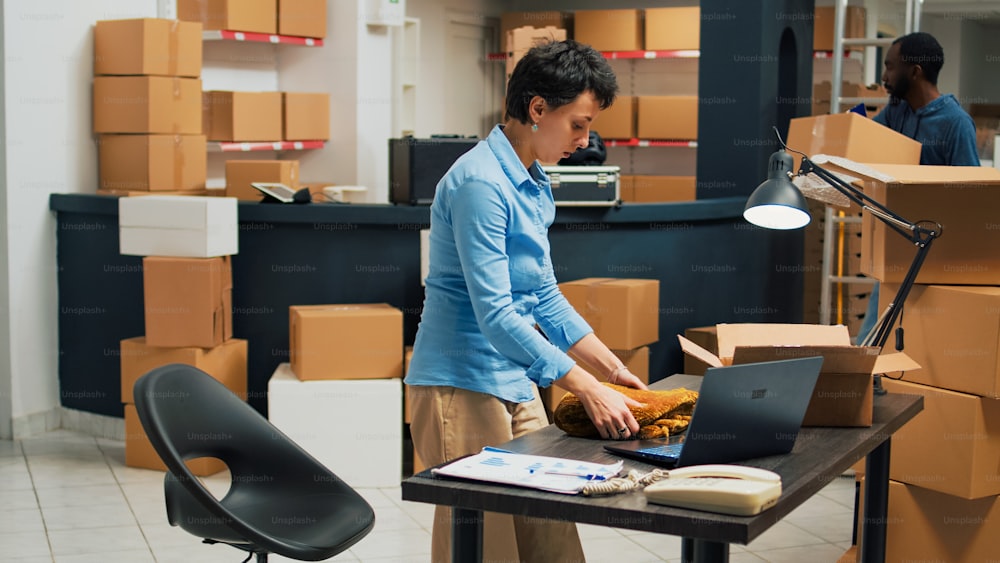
(713, 267)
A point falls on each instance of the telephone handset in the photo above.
(729, 489)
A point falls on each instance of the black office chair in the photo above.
(281, 500)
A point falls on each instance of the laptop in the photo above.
(743, 411)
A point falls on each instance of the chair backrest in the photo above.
(187, 414)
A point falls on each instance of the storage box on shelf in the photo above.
(305, 116)
(823, 26)
(302, 18)
(147, 46)
(152, 163)
(259, 16)
(668, 117)
(657, 189)
(521, 39)
(538, 19)
(672, 29)
(147, 104)
(243, 116)
(609, 30)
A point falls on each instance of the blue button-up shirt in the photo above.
(491, 280)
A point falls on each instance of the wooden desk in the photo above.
(820, 456)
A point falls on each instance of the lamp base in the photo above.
(879, 390)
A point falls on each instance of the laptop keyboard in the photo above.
(668, 450)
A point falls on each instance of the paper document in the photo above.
(552, 474)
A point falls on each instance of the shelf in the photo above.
(687, 54)
(648, 143)
(216, 146)
(226, 35)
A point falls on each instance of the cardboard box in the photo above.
(637, 361)
(240, 173)
(305, 116)
(657, 189)
(673, 29)
(925, 525)
(851, 136)
(244, 116)
(953, 332)
(540, 19)
(153, 162)
(843, 393)
(348, 341)
(618, 121)
(147, 104)
(520, 40)
(226, 362)
(952, 446)
(823, 26)
(706, 337)
(260, 16)
(624, 313)
(668, 117)
(187, 301)
(147, 46)
(184, 226)
(302, 18)
(963, 199)
(323, 418)
(139, 452)
(609, 30)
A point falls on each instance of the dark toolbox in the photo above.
(584, 185)
(417, 165)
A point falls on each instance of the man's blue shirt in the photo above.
(946, 133)
(491, 280)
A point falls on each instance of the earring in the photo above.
(534, 127)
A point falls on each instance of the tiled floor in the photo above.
(68, 498)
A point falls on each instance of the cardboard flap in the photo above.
(896, 361)
(836, 359)
(776, 334)
(702, 354)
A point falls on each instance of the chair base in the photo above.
(251, 551)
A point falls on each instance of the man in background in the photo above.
(917, 109)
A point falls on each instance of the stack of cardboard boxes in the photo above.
(341, 393)
(186, 244)
(625, 315)
(146, 106)
(302, 18)
(945, 463)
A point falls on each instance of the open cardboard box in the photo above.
(843, 394)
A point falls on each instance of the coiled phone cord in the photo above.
(617, 485)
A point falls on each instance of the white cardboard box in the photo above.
(353, 427)
(180, 226)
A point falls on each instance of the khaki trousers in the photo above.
(448, 423)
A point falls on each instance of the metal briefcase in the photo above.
(593, 186)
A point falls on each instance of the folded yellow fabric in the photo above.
(663, 412)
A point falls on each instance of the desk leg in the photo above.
(703, 551)
(876, 504)
(466, 535)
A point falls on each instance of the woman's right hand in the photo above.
(608, 409)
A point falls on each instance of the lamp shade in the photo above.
(777, 203)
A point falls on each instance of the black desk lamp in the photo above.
(778, 204)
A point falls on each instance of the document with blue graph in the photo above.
(554, 474)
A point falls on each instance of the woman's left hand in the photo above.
(622, 376)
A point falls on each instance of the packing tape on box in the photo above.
(173, 47)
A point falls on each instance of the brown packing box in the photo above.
(187, 301)
(624, 313)
(668, 117)
(609, 30)
(349, 341)
(657, 189)
(953, 332)
(147, 104)
(925, 525)
(244, 116)
(824, 90)
(521, 39)
(306, 116)
(706, 337)
(240, 173)
(843, 393)
(302, 18)
(823, 26)
(637, 361)
(139, 452)
(226, 362)
(147, 46)
(260, 16)
(552, 18)
(851, 136)
(952, 446)
(963, 199)
(153, 162)
(673, 29)
(618, 121)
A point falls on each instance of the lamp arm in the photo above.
(884, 328)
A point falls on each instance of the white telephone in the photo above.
(729, 489)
